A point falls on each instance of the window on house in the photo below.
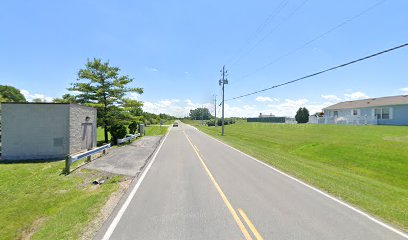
(377, 113)
(385, 113)
(355, 112)
(335, 114)
(382, 113)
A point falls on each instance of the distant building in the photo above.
(265, 116)
(382, 111)
(46, 130)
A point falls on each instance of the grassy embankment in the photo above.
(36, 201)
(150, 131)
(156, 130)
(366, 166)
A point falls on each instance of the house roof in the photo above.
(371, 102)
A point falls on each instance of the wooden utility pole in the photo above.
(222, 82)
(215, 110)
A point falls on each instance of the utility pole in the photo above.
(222, 82)
(202, 115)
(215, 110)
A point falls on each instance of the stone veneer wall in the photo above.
(77, 115)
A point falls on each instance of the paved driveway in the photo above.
(127, 160)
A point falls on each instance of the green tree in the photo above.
(133, 127)
(117, 131)
(302, 115)
(200, 113)
(38, 100)
(100, 85)
(11, 94)
(66, 98)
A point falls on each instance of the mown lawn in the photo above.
(156, 130)
(36, 200)
(100, 135)
(366, 166)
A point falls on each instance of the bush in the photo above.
(302, 115)
(226, 121)
(211, 123)
(133, 127)
(117, 131)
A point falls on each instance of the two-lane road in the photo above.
(199, 188)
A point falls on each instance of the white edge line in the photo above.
(122, 210)
(315, 189)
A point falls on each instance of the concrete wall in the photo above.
(78, 127)
(35, 131)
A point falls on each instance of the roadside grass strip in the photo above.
(38, 202)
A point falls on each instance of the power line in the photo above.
(345, 22)
(261, 28)
(270, 32)
(324, 71)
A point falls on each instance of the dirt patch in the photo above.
(29, 232)
(96, 224)
(403, 139)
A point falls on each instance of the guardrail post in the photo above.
(68, 162)
(89, 158)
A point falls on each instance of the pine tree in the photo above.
(100, 85)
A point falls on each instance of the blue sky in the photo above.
(175, 49)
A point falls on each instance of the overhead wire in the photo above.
(269, 33)
(323, 71)
(260, 28)
(345, 22)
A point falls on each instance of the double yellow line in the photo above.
(227, 202)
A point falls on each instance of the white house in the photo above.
(383, 111)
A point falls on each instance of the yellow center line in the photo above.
(196, 148)
(250, 225)
(224, 198)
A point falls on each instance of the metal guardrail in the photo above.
(88, 154)
(128, 139)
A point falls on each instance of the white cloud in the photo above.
(29, 96)
(287, 108)
(284, 108)
(355, 96)
(244, 111)
(265, 99)
(404, 90)
(331, 97)
(151, 69)
(174, 107)
(134, 95)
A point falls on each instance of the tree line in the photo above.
(101, 86)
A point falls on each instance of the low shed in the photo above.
(46, 130)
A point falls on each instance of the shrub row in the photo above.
(219, 122)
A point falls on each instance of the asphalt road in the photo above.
(199, 188)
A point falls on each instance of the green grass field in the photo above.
(150, 131)
(36, 200)
(366, 166)
(156, 130)
(100, 135)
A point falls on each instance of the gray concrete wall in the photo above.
(77, 122)
(35, 131)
